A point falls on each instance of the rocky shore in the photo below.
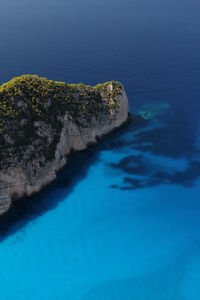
(42, 121)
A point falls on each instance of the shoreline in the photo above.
(69, 157)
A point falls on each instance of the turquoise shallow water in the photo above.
(107, 238)
(123, 219)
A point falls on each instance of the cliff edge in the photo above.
(42, 120)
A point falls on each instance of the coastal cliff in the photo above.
(42, 121)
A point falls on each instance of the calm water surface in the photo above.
(123, 220)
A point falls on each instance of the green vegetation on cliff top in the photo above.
(29, 104)
(36, 93)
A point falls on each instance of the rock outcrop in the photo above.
(42, 121)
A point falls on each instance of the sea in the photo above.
(122, 220)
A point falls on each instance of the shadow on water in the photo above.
(29, 208)
(173, 137)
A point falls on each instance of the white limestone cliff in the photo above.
(19, 181)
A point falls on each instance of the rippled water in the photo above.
(122, 221)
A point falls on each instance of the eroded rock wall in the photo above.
(26, 177)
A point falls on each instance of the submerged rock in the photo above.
(42, 121)
(153, 110)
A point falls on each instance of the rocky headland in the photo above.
(42, 121)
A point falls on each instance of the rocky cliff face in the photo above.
(41, 121)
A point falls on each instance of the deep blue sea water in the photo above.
(122, 221)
